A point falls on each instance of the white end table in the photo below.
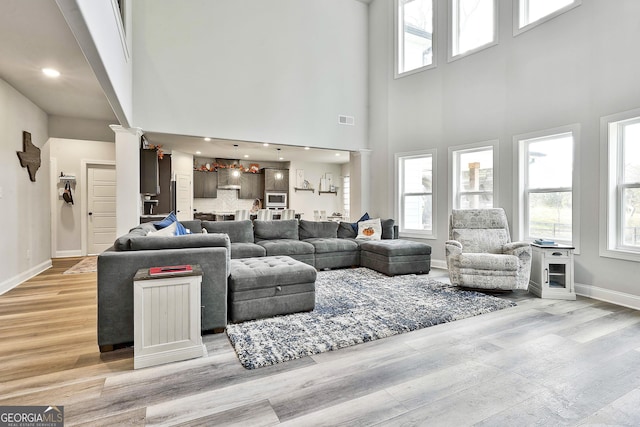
(552, 272)
(167, 317)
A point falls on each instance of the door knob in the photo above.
(90, 213)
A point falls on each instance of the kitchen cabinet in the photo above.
(149, 173)
(205, 184)
(251, 186)
(276, 180)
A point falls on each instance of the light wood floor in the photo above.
(543, 362)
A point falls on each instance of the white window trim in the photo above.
(496, 19)
(609, 168)
(516, 16)
(434, 195)
(519, 172)
(453, 172)
(396, 42)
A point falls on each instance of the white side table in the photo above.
(552, 272)
(167, 317)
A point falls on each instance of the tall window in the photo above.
(623, 184)
(473, 26)
(472, 177)
(529, 13)
(415, 35)
(416, 193)
(547, 186)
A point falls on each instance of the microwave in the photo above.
(277, 200)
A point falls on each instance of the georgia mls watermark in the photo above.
(31, 416)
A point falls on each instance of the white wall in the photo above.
(278, 71)
(306, 202)
(24, 205)
(67, 156)
(575, 68)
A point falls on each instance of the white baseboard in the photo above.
(14, 281)
(438, 263)
(68, 254)
(607, 295)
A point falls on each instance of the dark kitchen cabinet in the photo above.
(251, 186)
(205, 184)
(276, 179)
(149, 173)
(229, 178)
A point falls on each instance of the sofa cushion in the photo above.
(195, 226)
(396, 247)
(324, 245)
(287, 247)
(123, 243)
(387, 228)
(345, 231)
(247, 250)
(177, 242)
(364, 217)
(238, 231)
(275, 229)
(169, 230)
(317, 229)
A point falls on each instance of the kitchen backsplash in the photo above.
(227, 201)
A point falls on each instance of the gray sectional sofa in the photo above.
(213, 244)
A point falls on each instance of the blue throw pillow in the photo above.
(180, 230)
(362, 218)
(170, 219)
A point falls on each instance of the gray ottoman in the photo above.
(268, 286)
(393, 256)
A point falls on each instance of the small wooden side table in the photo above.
(552, 272)
(167, 317)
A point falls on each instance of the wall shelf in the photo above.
(304, 189)
(328, 192)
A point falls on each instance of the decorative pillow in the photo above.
(169, 230)
(181, 230)
(171, 218)
(364, 217)
(370, 229)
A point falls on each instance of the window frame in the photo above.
(518, 14)
(521, 199)
(453, 27)
(454, 168)
(611, 186)
(399, 37)
(399, 194)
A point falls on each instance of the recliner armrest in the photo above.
(514, 248)
(452, 248)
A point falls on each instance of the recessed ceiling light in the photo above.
(307, 148)
(50, 72)
(198, 152)
(246, 156)
(265, 144)
(207, 139)
(337, 154)
(281, 158)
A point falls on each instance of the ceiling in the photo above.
(35, 35)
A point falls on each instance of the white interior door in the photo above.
(101, 208)
(184, 197)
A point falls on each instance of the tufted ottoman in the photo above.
(393, 257)
(268, 286)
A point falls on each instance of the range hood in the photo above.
(228, 178)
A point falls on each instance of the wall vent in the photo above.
(346, 120)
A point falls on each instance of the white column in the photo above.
(360, 166)
(127, 178)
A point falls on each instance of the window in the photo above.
(415, 42)
(346, 196)
(530, 13)
(416, 193)
(547, 185)
(472, 176)
(473, 26)
(622, 170)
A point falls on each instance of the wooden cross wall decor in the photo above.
(29, 156)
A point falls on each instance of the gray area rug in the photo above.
(354, 306)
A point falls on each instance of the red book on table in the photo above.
(170, 269)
